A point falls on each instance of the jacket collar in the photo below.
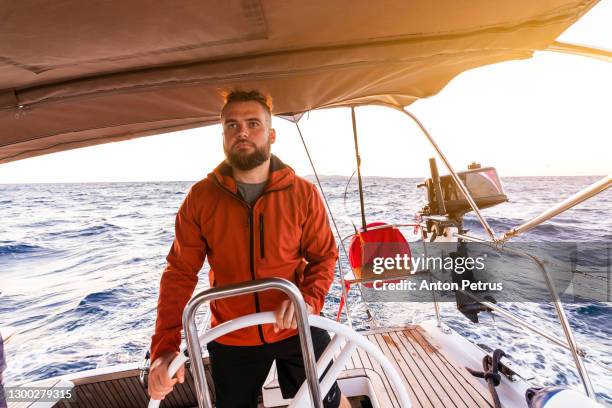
(281, 175)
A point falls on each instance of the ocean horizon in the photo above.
(311, 177)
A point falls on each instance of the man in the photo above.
(253, 218)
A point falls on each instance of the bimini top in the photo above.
(76, 73)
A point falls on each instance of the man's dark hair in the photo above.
(248, 96)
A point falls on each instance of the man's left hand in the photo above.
(285, 316)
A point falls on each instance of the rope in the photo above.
(344, 201)
(331, 215)
(491, 374)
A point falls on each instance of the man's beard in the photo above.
(247, 161)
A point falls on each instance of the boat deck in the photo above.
(431, 378)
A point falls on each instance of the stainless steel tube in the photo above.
(456, 178)
(583, 51)
(567, 331)
(557, 340)
(433, 292)
(344, 293)
(195, 349)
(577, 198)
(569, 335)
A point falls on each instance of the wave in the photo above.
(46, 223)
(85, 232)
(131, 215)
(13, 249)
(100, 298)
(54, 369)
(593, 310)
(98, 229)
(93, 307)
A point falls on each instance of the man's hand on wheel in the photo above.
(160, 383)
(285, 316)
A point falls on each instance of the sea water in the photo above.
(80, 266)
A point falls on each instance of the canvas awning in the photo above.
(76, 74)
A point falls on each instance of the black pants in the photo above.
(240, 371)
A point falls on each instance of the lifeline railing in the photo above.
(571, 343)
(582, 195)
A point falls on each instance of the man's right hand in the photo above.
(160, 383)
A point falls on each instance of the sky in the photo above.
(545, 116)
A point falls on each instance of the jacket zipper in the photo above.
(252, 266)
(261, 236)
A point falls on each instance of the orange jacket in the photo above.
(286, 226)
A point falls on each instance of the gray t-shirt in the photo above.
(250, 192)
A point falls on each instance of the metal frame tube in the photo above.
(454, 175)
(564, 205)
(557, 340)
(344, 293)
(584, 375)
(433, 292)
(195, 349)
(581, 50)
(358, 159)
(563, 320)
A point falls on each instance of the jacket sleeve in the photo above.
(319, 249)
(179, 279)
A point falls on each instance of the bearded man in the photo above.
(253, 218)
